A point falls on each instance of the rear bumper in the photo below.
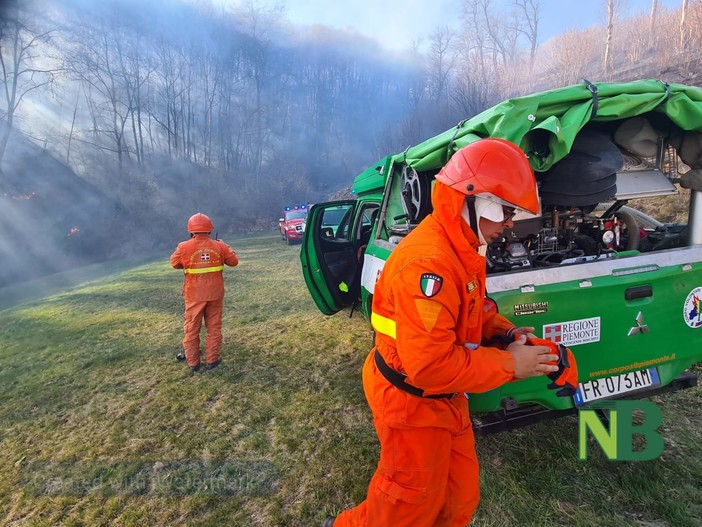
(518, 416)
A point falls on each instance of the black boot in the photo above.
(329, 522)
(212, 366)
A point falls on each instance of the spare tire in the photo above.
(586, 176)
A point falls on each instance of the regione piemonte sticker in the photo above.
(692, 309)
(430, 284)
(573, 332)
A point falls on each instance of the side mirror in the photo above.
(280, 220)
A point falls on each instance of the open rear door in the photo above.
(329, 255)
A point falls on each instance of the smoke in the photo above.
(65, 201)
(45, 214)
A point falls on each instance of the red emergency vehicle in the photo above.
(292, 224)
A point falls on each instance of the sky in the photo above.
(396, 23)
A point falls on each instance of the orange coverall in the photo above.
(430, 320)
(203, 259)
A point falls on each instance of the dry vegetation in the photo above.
(641, 49)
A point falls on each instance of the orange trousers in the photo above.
(195, 313)
(427, 476)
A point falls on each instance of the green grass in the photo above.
(99, 425)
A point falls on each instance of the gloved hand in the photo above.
(501, 341)
(566, 378)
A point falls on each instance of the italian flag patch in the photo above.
(430, 284)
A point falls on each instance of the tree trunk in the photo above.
(70, 134)
(608, 45)
(683, 14)
(652, 22)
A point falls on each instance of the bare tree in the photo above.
(135, 69)
(683, 28)
(633, 39)
(474, 39)
(96, 64)
(528, 12)
(489, 55)
(72, 130)
(20, 63)
(694, 17)
(171, 75)
(258, 23)
(501, 39)
(441, 60)
(607, 66)
(570, 54)
(212, 73)
(652, 17)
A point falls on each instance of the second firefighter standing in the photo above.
(202, 260)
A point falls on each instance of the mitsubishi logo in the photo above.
(641, 326)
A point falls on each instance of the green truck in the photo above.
(620, 288)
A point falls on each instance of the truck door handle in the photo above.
(639, 291)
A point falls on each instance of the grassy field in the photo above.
(101, 426)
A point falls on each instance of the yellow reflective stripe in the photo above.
(383, 325)
(204, 270)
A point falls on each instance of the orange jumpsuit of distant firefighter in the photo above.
(431, 327)
(203, 259)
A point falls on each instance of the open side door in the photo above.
(329, 255)
(333, 245)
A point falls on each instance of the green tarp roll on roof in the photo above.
(545, 124)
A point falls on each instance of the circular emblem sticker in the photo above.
(692, 309)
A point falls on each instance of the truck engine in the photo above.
(563, 237)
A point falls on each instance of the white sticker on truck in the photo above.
(573, 332)
(372, 265)
(692, 309)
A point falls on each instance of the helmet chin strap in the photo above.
(471, 218)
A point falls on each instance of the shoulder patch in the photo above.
(430, 284)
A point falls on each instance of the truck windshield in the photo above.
(297, 215)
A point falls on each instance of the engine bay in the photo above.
(572, 236)
(584, 212)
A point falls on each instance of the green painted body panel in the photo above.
(372, 180)
(670, 344)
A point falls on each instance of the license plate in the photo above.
(615, 385)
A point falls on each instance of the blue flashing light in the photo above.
(295, 207)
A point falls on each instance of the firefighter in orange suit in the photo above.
(202, 259)
(432, 326)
